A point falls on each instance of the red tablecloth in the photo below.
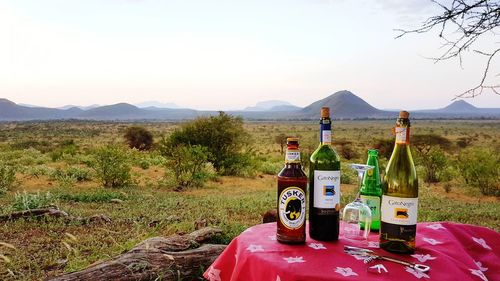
(454, 251)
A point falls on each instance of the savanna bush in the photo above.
(480, 169)
(223, 136)
(7, 177)
(112, 167)
(29, 201)
(139, 138)
(433, 162)
(270, 168)
(187, 162)
(68, 177)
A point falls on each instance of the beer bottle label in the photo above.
(292, 207)
(326, 189)
(373, 202)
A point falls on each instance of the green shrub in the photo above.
(112, 167)
(78, 174)
(67, 147)
(37, 171)
(224, 138)
(434, 162)
(138, 138)
(7, 177)
(28, 201)
(480, 168)
(270, 168)
(144, 164)
(187, 163)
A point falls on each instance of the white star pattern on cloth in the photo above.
(255, 248)
(480, 266)
(278, 278)
(294, 259)
(478, 273)
(436, 226)
(432, 241)
(423, 258)
(347, 271)
(214, 274)
(417, 273)
(373, 244)
(317, 246)
(481, 242)
(379, 268)
(272, 237)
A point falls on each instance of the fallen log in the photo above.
(35, 213)
(158, 258)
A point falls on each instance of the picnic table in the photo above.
(454, 251)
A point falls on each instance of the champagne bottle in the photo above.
(371, 189)
(324, 185)
(292, 186)
(400, 194)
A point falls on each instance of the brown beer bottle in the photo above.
(292, 186)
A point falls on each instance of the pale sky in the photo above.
(227, 54)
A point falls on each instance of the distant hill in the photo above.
(460, 106)
(343, 104)
(12, 111)
(115, 111)
(268, 105)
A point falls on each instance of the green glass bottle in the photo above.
(324, 185)
(399, 205)
(371, 190)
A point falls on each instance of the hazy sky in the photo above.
(226, 54)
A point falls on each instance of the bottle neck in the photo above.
(325, 131)
(292, 156)
(402, 132)
(371, 179)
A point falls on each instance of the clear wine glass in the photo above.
(357, 216)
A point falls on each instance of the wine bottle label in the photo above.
(292, 207)
(399, 211)
(402, 135)
(326, 136)
(327, 189)
(374, 203)
(292, 156)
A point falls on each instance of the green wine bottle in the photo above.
(324, 185)
(371, 190)
(399, 205)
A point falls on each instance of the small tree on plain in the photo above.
(139, 138)
(112, 167)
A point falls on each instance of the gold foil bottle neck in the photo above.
(404, 114)
(325, 112)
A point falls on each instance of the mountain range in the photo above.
(343, 105)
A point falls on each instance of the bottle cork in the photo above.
(325, 112)
(404, 114)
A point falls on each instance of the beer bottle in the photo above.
(292, 186)
(399, 205)
(324, 185)
(371, 190)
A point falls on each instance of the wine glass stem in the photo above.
(360, 183)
